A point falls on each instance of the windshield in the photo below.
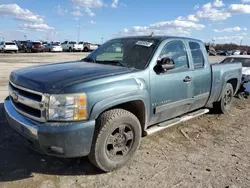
(127, 52)
(10, 43)
(245, 61)
(36, 43)
(56, 44)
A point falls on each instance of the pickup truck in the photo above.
(102, 105)
(71, 46)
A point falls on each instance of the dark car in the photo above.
(35, 46)
(22, 45)
(223, 53)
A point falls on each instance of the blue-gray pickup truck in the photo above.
(129, 87)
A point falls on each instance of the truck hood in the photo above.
(52, 78)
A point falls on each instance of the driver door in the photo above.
(171, 91)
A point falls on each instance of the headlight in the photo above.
(68, 107)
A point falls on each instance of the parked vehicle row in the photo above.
(39, 46)
(232, 52)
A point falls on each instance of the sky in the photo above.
(97, 21)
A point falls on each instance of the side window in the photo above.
(65, 42)
(176, 51)
(197, 54)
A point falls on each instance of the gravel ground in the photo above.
(210, 151)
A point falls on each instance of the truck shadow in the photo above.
(18, 162)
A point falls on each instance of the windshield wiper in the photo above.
(111, 62)
(89, 60)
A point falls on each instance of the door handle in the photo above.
(187, 79)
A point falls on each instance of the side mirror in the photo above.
(165, 64)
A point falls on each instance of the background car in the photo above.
(22, 45)
(71, 46)
(56, 47)
(223, 53)
(244, 59)
(35, 46)
(88, 47)
(236, 52)
(8, 46)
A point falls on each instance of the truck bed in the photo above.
(221, 74)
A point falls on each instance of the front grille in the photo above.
(27, 109)
(28, 102)
(27, 94)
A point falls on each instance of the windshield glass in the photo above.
(245, 61)
(127, 52)
(10, 43)
(56, 44)
(36, 43)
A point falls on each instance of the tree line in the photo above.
(228, 46)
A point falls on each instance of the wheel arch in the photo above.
(137, 105)
(234, 83)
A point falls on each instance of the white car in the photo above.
(244, 59)
(71, 46)
(88, 47)
(244, 90)
(8, 46)
(56, 47)
(236, 52)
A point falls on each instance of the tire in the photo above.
(116, 139)
(85, 50)
(70, 49)
(16, 51)
(226, 101)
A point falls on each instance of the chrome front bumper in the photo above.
(73, 139)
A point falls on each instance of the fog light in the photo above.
(56, 149)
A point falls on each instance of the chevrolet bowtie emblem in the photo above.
(14, 96)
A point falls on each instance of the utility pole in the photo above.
(78, 31)
(241, 42)
(25, 37)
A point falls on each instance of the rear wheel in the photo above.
(70, 49)
(226, 101)
(116, 139)
(85, 49)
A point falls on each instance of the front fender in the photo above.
(110, 102)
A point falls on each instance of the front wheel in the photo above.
(116, 139)
(226, 101)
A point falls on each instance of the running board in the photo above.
(170, 123)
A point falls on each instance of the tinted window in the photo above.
(80, 43)
(176, 51)
(72, 42)
(36, 43)
(198, 58)
(10, 43)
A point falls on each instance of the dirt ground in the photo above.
(212, 151)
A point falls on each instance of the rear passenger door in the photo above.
(201, 80)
